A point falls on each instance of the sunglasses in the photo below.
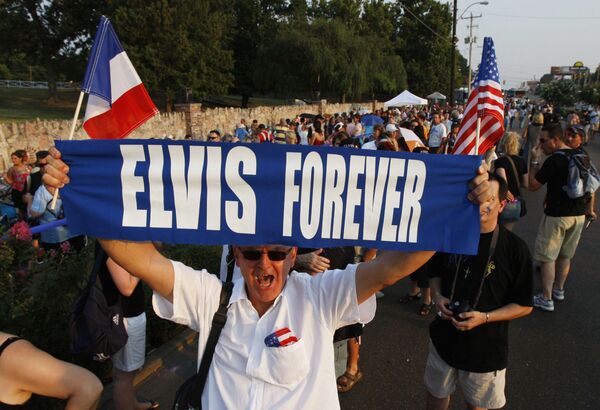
(275, 256)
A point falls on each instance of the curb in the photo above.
(154, 359)
(153, 363)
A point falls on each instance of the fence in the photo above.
(37, 84)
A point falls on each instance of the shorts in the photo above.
(558, 237)
(131, 356)
(480, 389)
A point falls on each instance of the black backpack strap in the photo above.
(218, 322)
(99, 259)
(230, 264)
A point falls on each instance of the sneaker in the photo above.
(540, 302)
(558, 294)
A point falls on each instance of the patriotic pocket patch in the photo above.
(280, 338)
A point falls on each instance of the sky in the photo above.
(532, 35)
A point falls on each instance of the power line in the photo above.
(542, 18)
(422, 22)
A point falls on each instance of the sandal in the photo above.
(425, 309)
(347, 381)
(409, 298)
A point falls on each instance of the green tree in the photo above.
(178, 45)
(256, 23)
(591, 94)
(50, 34)
(423, 41)
(561, 92)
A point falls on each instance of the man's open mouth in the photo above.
(264, 280)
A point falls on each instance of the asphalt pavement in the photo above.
(554, 359)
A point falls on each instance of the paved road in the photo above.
(554, 360)
(554, 357)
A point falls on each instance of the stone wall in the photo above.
(188, 119)
(40, 134)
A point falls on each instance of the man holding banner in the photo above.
(275, 350)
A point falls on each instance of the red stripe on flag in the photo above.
(289, 340)
(282, 331)
(126, 114)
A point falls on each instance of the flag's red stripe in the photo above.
(127, 113)
(465, 142)
(291, 339)
(282, 331)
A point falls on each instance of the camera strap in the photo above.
(486, 270)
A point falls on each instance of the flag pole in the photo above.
(477, 135)
(71, 133)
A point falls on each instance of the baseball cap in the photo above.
(391, 128)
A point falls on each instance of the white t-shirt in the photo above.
(370, 145)
(247, 374)
(436, 133)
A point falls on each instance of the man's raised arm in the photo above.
(391, 266)
(140, 259)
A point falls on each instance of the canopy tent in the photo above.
(405, 98)
(436, 96)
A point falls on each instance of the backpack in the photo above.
(97, 330)
(583, 178)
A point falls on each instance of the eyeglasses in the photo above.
(275, 256)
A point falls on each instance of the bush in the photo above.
(36, 298)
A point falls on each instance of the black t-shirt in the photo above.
(514, 181)
(132, 305)
(339, 257)
(555, 173)
(484, 348)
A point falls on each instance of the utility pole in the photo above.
(453, 55)
(471, 40)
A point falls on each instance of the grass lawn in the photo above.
(25, 104)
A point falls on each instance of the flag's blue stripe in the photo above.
(97, 74)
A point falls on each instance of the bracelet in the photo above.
(487, 317)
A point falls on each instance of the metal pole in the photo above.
(453, 55)
(470, 51)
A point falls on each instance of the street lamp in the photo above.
(483, 3)
(453, 54)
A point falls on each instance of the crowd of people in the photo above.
(475, 297)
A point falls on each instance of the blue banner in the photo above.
(212, 193)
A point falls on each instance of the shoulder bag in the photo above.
(189, 394)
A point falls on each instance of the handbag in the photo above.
(97, 329)
(523, 208)
(189, 394)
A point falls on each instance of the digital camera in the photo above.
(459, 306)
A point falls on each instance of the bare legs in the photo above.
(554, 274)
(124, 393)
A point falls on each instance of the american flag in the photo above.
(485, 102)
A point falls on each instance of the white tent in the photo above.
(405, 98)
(436, 96)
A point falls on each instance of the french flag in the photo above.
(118, 102)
